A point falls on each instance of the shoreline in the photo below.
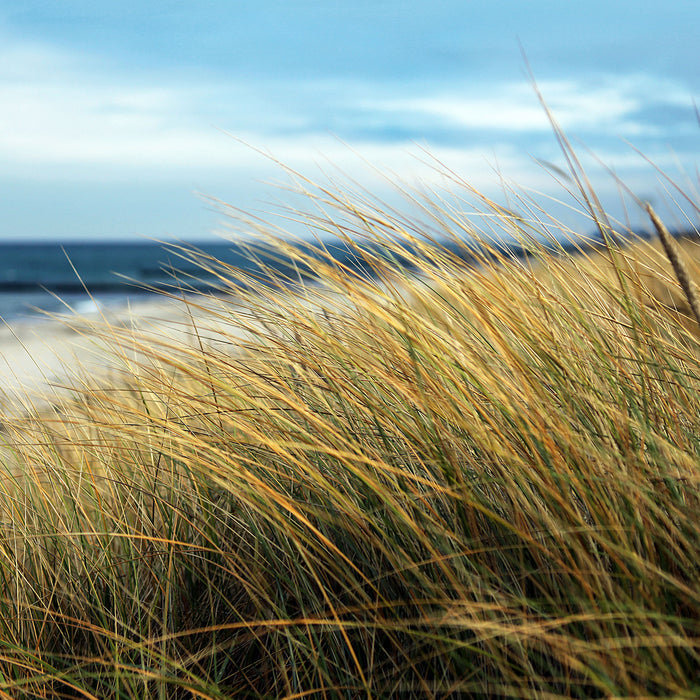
(42, 359)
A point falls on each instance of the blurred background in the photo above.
(117, 120)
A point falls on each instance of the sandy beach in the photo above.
(41, 359)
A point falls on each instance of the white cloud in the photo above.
(49, 127)
(27, 60)
(63, 117)
(612, 104)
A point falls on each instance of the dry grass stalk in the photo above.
(679, 268)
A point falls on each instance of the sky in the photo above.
(128, 120)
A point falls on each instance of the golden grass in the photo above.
(451, 481)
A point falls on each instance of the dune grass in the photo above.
(448, 481)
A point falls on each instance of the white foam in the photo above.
(88, 307)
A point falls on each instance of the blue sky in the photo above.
(114, 116)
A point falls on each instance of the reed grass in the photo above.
(442, 479)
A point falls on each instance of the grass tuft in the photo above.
(433, 468)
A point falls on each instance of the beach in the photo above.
(42, 359)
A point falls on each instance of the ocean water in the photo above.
(38, 277)
(49, 277)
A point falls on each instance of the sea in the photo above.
(41, 279)
(38, 279)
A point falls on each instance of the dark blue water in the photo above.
(49, 275)
(55, 278)
(81, 276)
